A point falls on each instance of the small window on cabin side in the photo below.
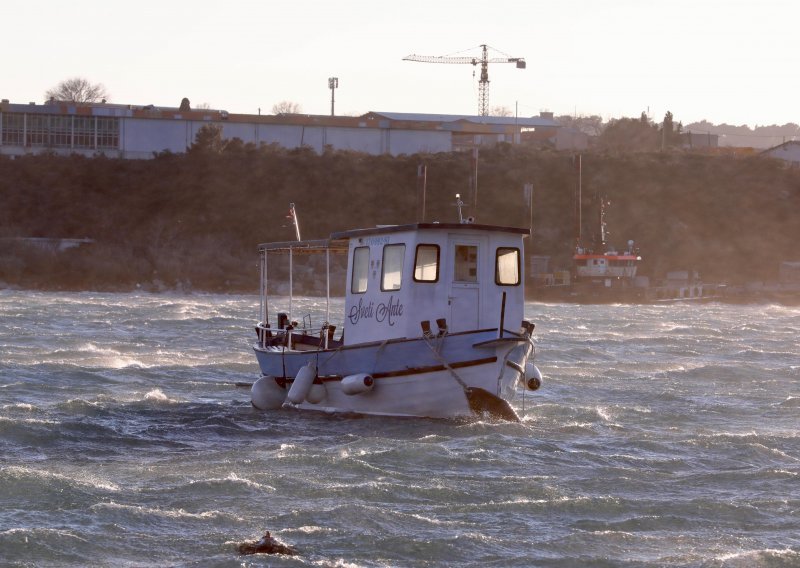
(392, 267)
(507, 267)
(358, 284)
(466, 263)
(426, 263)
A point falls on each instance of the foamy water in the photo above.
(662, 436)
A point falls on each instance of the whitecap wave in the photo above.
(19, 406)
(164, 513)
(233, 478)
(755, 557)
(311, 529)
(157, 395)
(79, 478)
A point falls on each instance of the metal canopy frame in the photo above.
(290, 248)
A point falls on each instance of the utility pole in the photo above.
(422, 188)
(527, 190)
(333, 84)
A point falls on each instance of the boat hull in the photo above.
(426, 377)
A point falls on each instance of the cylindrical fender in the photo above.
(316, 393)
(533, 376)
(357, 384)
(302, 383)
(267, 394)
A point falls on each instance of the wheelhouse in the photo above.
(456, 277)
(407, 280)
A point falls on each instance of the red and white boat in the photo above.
(601, 264)
(611, 264)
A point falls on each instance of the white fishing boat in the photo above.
(434, 326)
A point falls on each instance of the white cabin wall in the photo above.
(427, 300)
(378, 315)
(492, 294)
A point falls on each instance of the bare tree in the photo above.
(501, 111)
(77, 90)
(286, 107)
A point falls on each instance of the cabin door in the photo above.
(464, 282)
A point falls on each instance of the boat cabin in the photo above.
(453, 276)
(406, 280)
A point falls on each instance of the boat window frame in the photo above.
(353, 271)
(438, 263)
(383, 266)
(497, 266)
(467, 263)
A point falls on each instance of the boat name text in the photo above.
(372, 241)
(383, 312)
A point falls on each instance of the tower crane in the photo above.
(483, 60)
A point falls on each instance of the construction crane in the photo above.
(483, 60)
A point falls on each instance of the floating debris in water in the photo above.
(266, 545)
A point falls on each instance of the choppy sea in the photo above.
(663, 435)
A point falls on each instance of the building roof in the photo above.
(525, 122)
(784, 145)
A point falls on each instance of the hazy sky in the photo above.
(733, 61)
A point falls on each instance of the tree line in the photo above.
(194, 220)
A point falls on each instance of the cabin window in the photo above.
(466, 263)
(426, 263)
(392, 267)
(507, 267)
(358, 284)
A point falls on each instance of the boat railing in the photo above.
(291, 248)
(297, 338)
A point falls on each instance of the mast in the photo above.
(578, 220)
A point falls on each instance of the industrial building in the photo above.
(789, 152)
(142, 131)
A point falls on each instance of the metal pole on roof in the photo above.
(528, 191)
(291, 284)
(261, 294)
(474, 177)
(327, 286)
(333, 83)
(265, 290)
(422, 183)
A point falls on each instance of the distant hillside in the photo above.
(194, 220)
(743, 136)
(762, 137)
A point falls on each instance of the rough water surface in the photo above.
(662, 436)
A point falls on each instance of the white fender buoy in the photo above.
(302, 383)
(316, 393)
(267, 394)
(357, 384)
(533, 376)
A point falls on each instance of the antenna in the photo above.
(292, 216)
(578, 197)
(422, 186)
(459, 204)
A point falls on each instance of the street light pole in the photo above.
(333, 83)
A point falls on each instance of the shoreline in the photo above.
(789, 298)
